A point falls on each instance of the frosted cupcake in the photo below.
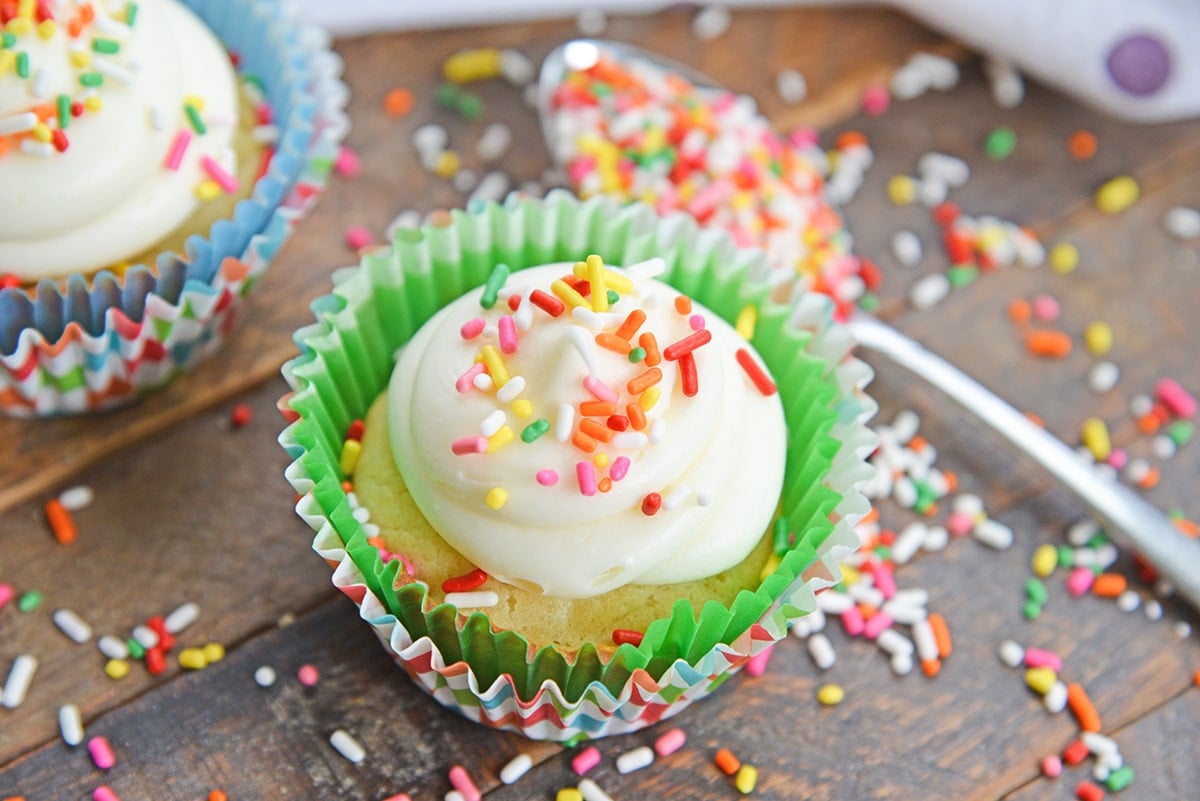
(127, 137)
(534, 558)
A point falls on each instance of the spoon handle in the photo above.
(1126, 516)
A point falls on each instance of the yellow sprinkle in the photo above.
(1095, 438)
(25, 8)
(850, 575)
(991, 236)
(769, 567)
(20, 26)
(351, 449)
(599, 287)
(747, 777)
(496, 498)
(564, 292)
(648, 398)
(213, 652)
(194, 100)
(1045, 559)
(522, 408)
(92, 102)
(472, 65)
(494, 363)
(620, 283)
(116, 669)
(654, 139)
(41, 132)
(80, 59)
(746, 320)
(741, 201)
(8, 61)
(47, 28)
(192, 659)
(901, 190)
(600, 460)
(568, 794)
(500, 439)
(1064, 257)
(447, 164)
(831, 694)
(1098, 337)
(1117, 194)
(1040, 679)
(208, 189)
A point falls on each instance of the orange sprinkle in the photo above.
(867, 611)
(951, 480)
(637, 416)
(1035, 419)
(1109, 585)
(644, 381)
(595, 408)
(1020, 311)
(1081, 145)
(848, 139)
(347, 486)
(727, 762)
(649, 343)
(375, 542)
(632, 323)
(683, 304)
(941, 634)
(398, 102)
(931, 667)
(217, 795)
(1187, 527)
(1082, 707)
(597, 431)
(614, 343)
(3, 147)
(1151, 479)
(1050, 344)
(61, 523)
(918, 443)
(604, 484)
(1148, 423)
(931, 510)
(1196, 678)
(583, 442)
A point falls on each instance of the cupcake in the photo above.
(588, 546)
(155, 155)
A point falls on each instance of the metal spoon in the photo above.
(1126, 516)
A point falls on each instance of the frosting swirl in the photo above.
(98, 189)
(552, 481)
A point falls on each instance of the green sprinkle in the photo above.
(637, 354)
(23, 64)
(1120, 778)
(106, 46)
(91, 79)
(962, 275)
(575, 740)
(447, 95)
(781, 535)
(63, 103)
(613, 297)
(1000, 143)
(1035, 590)
(883, 552)
(131, 11)
(469, 105)
(1098, 540)
(1032, 610)
(535, 429)
(1181, 432)
(29, 601)
(7, 40)
(868, 302)
(1066, 557)
(495, 282)
(136, 651)
(193, 115)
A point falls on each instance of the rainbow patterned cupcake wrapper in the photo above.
(96, 344)
(496, 678)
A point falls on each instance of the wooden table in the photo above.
(187, 509)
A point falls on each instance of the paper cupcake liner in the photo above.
(95, 344)
(497, 678)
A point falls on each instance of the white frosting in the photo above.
(726, 446)
(109, 196)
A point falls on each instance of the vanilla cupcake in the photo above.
(590, 540)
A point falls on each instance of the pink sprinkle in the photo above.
(227, 182)
(1046, 308)
(102, 753)
(585, 471)
(1079, 581)
(670, 742)
(885, 580)
(758, 663)
(580, 168)
(1178, 400)
(472, 328)
(598, 388)
(696, 321)
(876, 624)
(1052, 767)
(585, 760)
(347, 162)
(466, 381)
(1118, 458)
(105, 793)
(960, 524)
(7, 593)
(804, 136)
(876, 99)
(852, 621)
(620, 467)
(357, 237)
(461, 781)
(465, 445)
(547, 478)
(724, 102)
(179, 146)
(308, 675)
(1040, 657)
(508, 334)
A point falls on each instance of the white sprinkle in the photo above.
(932, 191)
(908, 82)
(72, 625)
(1137, 470)
(523, 316)
(362, 514)
(925, 641)
(146, 636)
(409, 218)
(905, 492)
(1101, 772)
(1128, 601)
(113, 70)
(264, 676)
(591, 21)
(1008, 88)
(1162, 446)
(482, 382)
(636, 759)
(591, 791)
(905, 426)
(905, 614)
(113, 647)
(710, 22)
(513, 388)
(347, 746)
(493, 422)
(865, 594)
(1055, 699)
(1081, 531)
(894, 642)
(821, 651)
(650, 268)
(517, 767)
(479, 599)
(994, 534)
(454, 795)
(929, 291)
(110, 27)
(494, 142)
(32, 147)
(1182, 222)
(516, 67)
(1011, 653)
(1098, 744)
(1182, 629)
(791, 86)
(901, 664)
(430, 139)
(183, 616)
(810, 624)
(1153, 610)
(564, 422)
(1140, 405)
(1102, 377)
(675, 497)
(943, 73)
(631, 441)
(76, 498)
(834, 603)
(585, 346)
(906, 247)
(936, 539)
(464, 181)
(951, 170)
(20, 676)
(18, 123)
(491, 188)
(70, 724)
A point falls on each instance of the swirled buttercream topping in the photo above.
(113, 116)
(574, 430)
